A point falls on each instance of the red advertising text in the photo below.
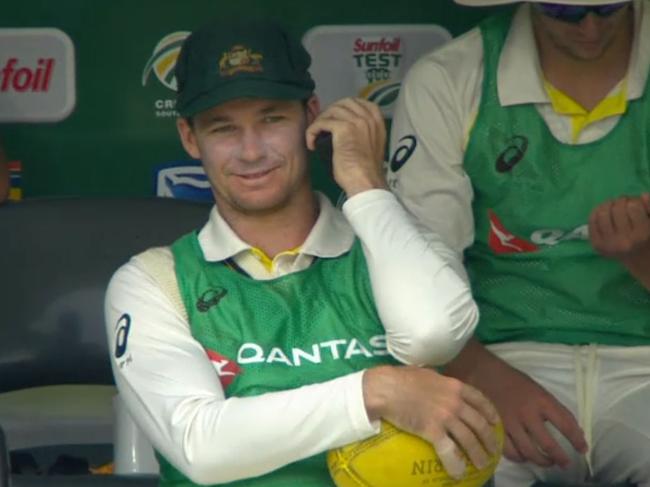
(15, 76)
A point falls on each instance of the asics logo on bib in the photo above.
(337, 349)
(502, 241)
(512, 154)
(210, 298)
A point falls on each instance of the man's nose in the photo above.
(252, 145)
(591, 26)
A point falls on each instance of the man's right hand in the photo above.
(524, 405)
(440, 409)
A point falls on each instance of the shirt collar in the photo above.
(330, 236)
(520, 78)
(640, 58)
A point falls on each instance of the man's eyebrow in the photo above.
(219, 119)
(273, 107)
(270, 108)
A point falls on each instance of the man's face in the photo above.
(253, 151)
(588, 39)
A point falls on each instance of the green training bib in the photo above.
(265, 336)
(534, 273)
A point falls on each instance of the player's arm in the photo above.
(620, 229)
(173, 392)
(525, 407)
(425, 306)
(433, 116)
(424, 303)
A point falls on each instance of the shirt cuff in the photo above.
(361, 201)
(357, 407)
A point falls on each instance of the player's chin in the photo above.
(262, 201)
(588, 50)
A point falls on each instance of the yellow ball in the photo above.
(394, 458)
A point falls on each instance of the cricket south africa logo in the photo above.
(163, 60)
(161, 66)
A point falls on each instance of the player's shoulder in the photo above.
(457, 52)
(158, 256)
(142, 268)
(459, 59)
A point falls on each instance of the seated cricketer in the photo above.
(284, 328)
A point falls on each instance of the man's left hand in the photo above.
(620, 229)
(358, 141)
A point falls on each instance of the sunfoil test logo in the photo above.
(367, 60)
(162, 64)
(379, 60)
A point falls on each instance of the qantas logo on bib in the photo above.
(502, 241)
(315, 353)
(226, 369)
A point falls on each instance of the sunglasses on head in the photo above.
(575, 13)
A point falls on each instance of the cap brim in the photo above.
(490, 3)
(252, 88)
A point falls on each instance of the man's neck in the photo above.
(588, 82)
(277, 231)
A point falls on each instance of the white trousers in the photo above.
(608, 390)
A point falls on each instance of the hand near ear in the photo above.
(358, 141)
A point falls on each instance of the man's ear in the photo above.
(188, 138)
(313, 109)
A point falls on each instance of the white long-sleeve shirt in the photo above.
(173, 391)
